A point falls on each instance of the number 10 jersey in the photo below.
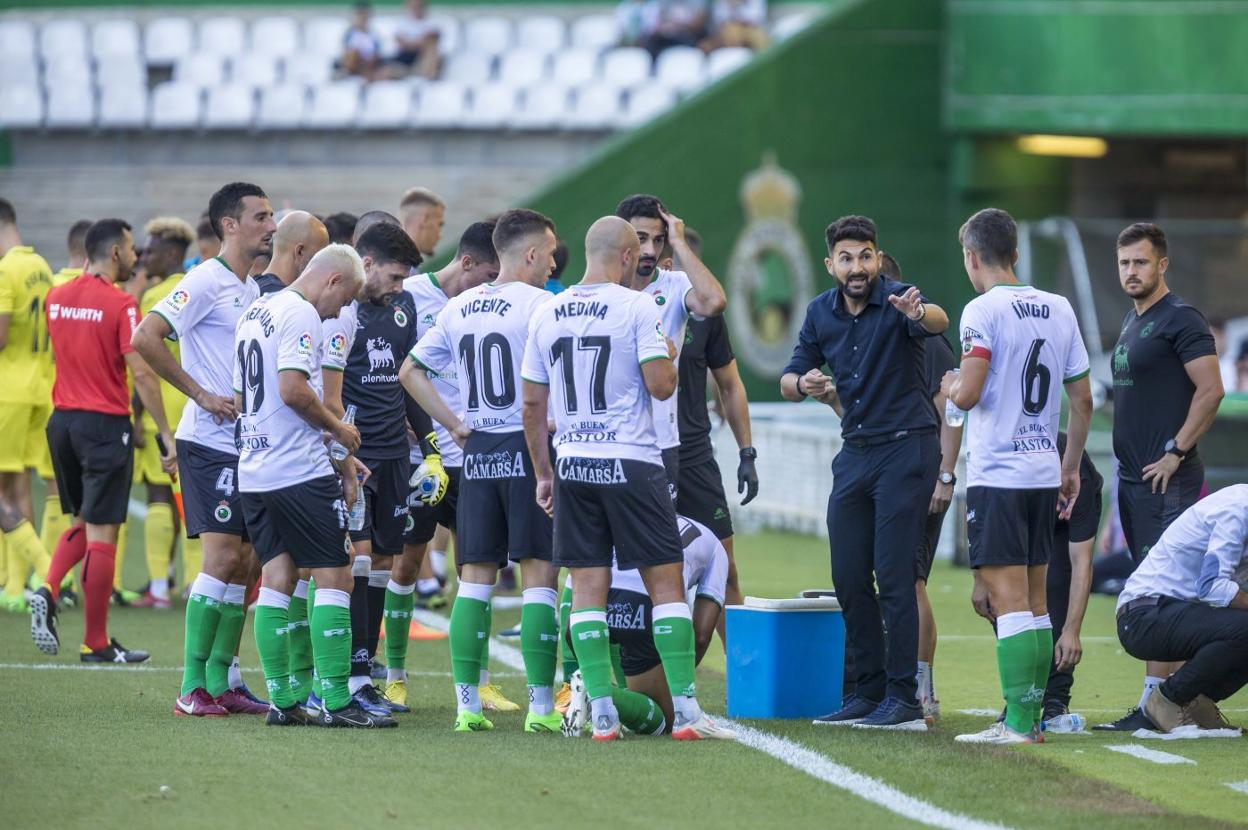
(1032, 343)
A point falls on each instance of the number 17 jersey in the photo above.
(1032, 343)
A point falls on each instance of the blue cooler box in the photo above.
(786, 657)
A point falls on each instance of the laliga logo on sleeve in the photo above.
(337, 345)
(178, 300)
(305, 343)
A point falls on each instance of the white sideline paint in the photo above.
(791, 753)
(137, 509)
(1238, 786)
(959, 638)
(1152, 755)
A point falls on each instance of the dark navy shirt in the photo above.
(876, 359)
(707, 347)
(384, 334)
(269, 284)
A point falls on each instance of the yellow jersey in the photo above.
(25, 279)
(173, 399)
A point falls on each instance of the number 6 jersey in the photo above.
(1032, 343)
(277, 448)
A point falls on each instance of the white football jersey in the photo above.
(483, 331)
(669, 290)
(430, 300)
(203, 312)
(1033, 346)
(277, 448)
(338, 337)
(588, 343)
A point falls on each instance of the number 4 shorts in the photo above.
(210, 494)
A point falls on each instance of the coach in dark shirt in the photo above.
(869, 331)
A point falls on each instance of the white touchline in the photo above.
(793, 754)
(1238, 786)
(1152, 755)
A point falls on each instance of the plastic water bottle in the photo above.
(1067, 724)
(336, 450)
(954, 417)
(357, 509)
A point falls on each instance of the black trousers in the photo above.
(876, 513)
(1057, 599)
(1212, 641)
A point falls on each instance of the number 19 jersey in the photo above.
(588, 344)
(1032, 343)
(276, 447)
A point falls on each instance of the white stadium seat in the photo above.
(115, 39)
(230, 107)
(490, 35)
(387, 105)
(275, 35)
(175, 106)
(282, 107)
(166, 39)
(595, 107)
(545, 33)
(17, 39)
(307, 69)
(66, 68)
(71, 106)
(324, 36)
(492, 106)
(221, 35)
(256, 70)
(644, 103)
(202, 69)
(522, 67)
(63, 37)
(574, 67)
(334, 106)
(791, 24)
(21, 105)
(123, 107)
(541, 107)
(442, 105)
(682, 68)
(625, 66)
(385, 27)
(18, 69)
(594, 31)
(724, 61)
(450, 33)
(121, 72)
(468, 68)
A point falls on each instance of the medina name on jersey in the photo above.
(276, 447)
(1032, 343)
(588, 344)
(483, 331)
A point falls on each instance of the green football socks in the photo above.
(1016, 663)
(397, 616)
(272, 629)
(539, 645)
(1044, 661)
(203, 616)
(225, 643)
(469, 635)
(331, 645)
(300, 643)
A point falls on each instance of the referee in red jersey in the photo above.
(91, 321)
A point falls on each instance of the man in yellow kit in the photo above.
(24, 399)
(168, 239)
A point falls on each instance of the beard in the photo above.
(646, 267)
(857, 285)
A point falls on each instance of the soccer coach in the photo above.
(869, 330)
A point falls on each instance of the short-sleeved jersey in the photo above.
(203, 313)
(91, 323)
(174, 400)
(669, 289)
(1032, 343)
(277, 448)
(25, 360)
(588, 344)
(49, 370)
(382, 337)
(1152, 391)
(484, 331)
(430, 299)
(706, 347)
(938, 358)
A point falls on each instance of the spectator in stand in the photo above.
(361, 49)
(638, 21)
(737, 23)
(680, 23)
(418, 42)
(341, 227)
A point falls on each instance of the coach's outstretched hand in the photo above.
(747, 476)
(910, 303)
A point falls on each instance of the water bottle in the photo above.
(336, 450)
(357, 509)
(954, 417)
(1067, 724)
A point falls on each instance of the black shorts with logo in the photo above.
(606, 506)
(210, 494)
(1010, 527)
(423, 521)
(385, 505)
(1145, 515)
(671, 466)
(630, 618)
(700, 496)
(498, 517)
(307, 520)
(93, 459)
(928, 542)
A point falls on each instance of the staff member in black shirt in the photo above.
(886, 470)
(1167, 387)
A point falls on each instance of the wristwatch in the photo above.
(947, 477)
(748, 453)
(1172, 447)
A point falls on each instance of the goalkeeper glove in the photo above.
(429, 481)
